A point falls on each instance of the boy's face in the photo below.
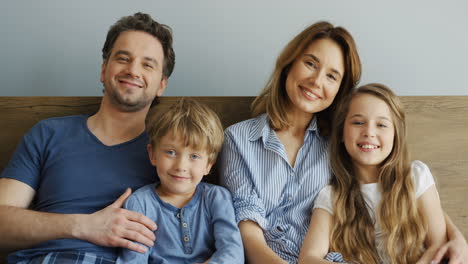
(179, 168)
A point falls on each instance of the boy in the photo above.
(196, 219)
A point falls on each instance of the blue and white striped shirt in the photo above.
(266, 189)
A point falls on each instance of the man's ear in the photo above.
(151, 155)
(162, 87)
(103, 71)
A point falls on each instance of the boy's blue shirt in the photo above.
(203, 229)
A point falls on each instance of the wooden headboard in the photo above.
(437, 128)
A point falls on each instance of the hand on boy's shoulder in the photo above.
(114, 226)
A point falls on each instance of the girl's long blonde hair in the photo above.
(403, 226)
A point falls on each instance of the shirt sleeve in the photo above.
(228, 242)
(324, 199)
(26, 162)
(236, 176)
(133, 203)
(422, 177)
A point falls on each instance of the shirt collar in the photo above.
(261, 127)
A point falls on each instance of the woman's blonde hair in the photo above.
(274, 100)
(353, 231)
(196, 123)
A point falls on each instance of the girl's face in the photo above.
(315, 77)
(368, 132)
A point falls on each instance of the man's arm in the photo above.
(111, 226)
(256, 248)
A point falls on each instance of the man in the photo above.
(56, 190)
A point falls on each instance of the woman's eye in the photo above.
(311, 64)
(332, 77)
(357, 123)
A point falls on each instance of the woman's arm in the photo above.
(430, 208)
(317, 240)
(456, 249)
(249, 208)
(256, 248)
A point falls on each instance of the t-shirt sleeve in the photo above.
(324, 199)
(26, 162)
(422, 177)
(228, 241)
(134, 203)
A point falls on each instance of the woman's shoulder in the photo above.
(247, 126)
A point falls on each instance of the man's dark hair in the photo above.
(143, 22)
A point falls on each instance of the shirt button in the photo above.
(186, 239)
(289, 198)
(184, 225)
(178, 215)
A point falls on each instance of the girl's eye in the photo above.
(382, 125)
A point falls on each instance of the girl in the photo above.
(379, 208)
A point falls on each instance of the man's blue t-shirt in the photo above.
(73, 172)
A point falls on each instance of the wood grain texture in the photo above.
(437, 133)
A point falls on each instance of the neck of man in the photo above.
(113, 126)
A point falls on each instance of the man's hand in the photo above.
(117, 227)
(455, 250)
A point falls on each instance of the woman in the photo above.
(276, 163)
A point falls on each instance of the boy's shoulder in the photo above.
(214, 192)
(144, 191)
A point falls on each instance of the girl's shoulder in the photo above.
(422, 177)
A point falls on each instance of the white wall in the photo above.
(227, 48)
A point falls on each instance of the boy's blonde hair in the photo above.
(197, 125)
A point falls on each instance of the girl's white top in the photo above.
(422, 179)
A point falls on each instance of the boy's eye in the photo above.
(195, 156)
(170, 152)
